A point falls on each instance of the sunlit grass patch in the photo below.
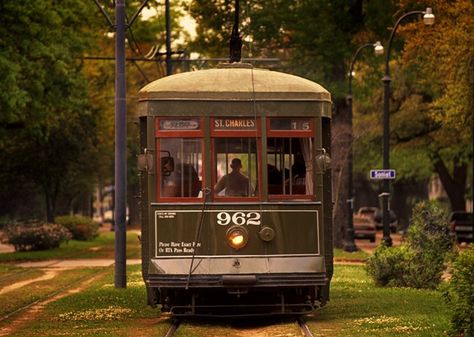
(104, 314)
(359, 308)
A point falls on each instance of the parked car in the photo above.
(462, 227)
(364, 228)
(378, 219)
(367, 212)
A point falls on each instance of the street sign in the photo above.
(382, 174)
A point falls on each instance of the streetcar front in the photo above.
(235, 193)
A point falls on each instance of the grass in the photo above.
(359, 255)
(358, 308)
(40, 290)
(100, 248)
(100, 310)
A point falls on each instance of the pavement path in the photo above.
(79, 263)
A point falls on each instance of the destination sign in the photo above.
(382, 174)
(234, 124)
(179, 124)
(290, 124)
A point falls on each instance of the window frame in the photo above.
(290, 134)
(166, 134)
(254, 134)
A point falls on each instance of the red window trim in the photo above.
(291, 197)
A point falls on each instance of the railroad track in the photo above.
(304, 327)
(300, 321)
(54, 294)
(174, 326)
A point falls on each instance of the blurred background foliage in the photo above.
(57, 105)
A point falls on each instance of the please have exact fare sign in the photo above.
(382, 174)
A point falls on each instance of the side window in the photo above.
(180, 167)
(236, 169)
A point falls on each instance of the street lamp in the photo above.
(349, 244)
(428, 19)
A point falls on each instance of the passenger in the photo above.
(235, 183)
(180, 180)
(299, 170)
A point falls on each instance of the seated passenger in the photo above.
(235, 183)
(181, 180)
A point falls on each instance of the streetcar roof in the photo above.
(234, 82)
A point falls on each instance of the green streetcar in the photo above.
(235, 192)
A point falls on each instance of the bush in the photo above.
(419, 262)
(386, 265)
(460, 294)
(429, 232)
(35, 235)
(81, 227)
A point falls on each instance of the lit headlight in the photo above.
(237, 237)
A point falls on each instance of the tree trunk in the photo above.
(454, 185)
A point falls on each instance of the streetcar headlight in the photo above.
(237, 237)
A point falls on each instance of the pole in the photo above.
(386, 163)
(349, 242)
(385, 195)
(120, 147)
(169, 64)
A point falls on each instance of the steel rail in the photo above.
(53, 294)
(304, 327)
(174, 326)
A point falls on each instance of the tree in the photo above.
(431, 102)
(44, 92)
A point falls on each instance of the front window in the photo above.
(236, 167)
(235, 157)
(289, 166)
(289, 157)
(180, 163)
(181, 167)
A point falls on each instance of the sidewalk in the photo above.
(80, 263)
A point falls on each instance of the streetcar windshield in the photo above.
(236, 167)
(181, 167)
(289, 166)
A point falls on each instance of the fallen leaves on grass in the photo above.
(104, 314)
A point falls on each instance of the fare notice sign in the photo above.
(382, 174)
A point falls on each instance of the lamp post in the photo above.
(349, 244)
(428, 19)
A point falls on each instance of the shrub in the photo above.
(429, 232)
(460, 294)
(81, 227)
(419, 262)
(386, 265)
(35, 235)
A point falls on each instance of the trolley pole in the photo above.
(169, 64)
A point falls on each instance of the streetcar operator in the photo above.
(235, 183)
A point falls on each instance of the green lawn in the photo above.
(358, 308)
